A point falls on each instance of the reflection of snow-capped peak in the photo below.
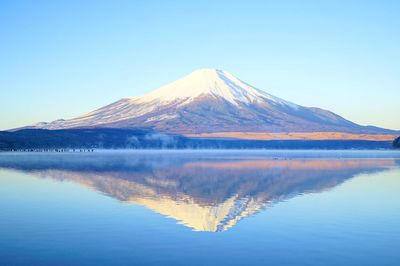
(214, 218)
(242, 208)
(205, 197)
(182, 208)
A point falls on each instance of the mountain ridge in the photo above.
(209, 101)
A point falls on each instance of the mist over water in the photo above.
(196, 207)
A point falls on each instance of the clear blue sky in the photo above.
(60, 59)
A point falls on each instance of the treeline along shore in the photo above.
(51, 150)
(89, 140)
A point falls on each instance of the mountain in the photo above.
(212, 101)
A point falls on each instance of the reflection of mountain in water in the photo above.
(202, 193)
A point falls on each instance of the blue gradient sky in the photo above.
(60, 59)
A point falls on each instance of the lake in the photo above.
(200, 208)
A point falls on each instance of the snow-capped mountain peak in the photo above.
(209, 100)
(218, 83)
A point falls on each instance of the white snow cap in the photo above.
(209, 81)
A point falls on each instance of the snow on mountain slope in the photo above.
(210, 100)
(214, 82)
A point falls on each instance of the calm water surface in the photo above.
(200, 208)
